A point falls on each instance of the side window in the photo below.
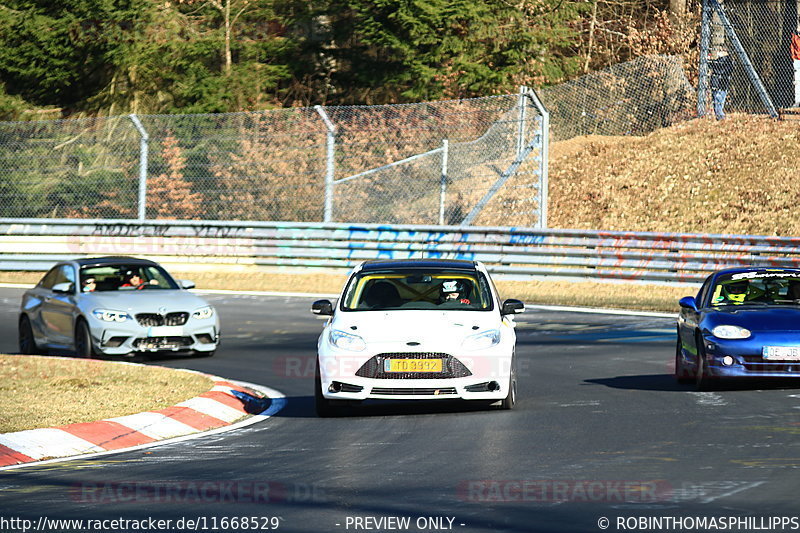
(703, 293)
(49, 279)
(486, 292)
(69, 275)
(60, 274)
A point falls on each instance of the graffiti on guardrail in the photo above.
(129, 230)
(31, 244)
(161, 246)
(147, 230)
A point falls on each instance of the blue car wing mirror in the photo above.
(688, 302)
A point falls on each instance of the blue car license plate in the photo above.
(781, 353)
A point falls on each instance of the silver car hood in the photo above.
(144, 301)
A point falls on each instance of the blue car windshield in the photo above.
(757, 288)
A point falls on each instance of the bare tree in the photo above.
(231, 10)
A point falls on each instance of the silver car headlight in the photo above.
(483, 340)
(347, 341)
(204, 312)
(109, 315)
(730, 332)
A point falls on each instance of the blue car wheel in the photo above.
(702, 379)
(682, 374)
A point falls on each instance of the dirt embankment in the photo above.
(735, 176)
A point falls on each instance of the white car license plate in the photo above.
(165, 331)
(781, 353)
(412, 365)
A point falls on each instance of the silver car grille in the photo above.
(149, 320)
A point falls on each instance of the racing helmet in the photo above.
(451, 286)
(735, 292)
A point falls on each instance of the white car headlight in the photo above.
(347, 341)
(108, 315)
(730, 332)
(204, 312)
(483, 340)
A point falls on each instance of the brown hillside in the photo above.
(740, 175)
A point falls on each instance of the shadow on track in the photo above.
(303, 407)
(667, 383)
(649, 382)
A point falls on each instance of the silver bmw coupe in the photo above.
(115, 306)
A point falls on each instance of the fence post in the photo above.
(702, 83)
(544, 170)
(329, 166)
(544, 157)
(521, 130)
(443, 185)
(143, 148)
(539, 141)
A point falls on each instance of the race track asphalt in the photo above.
(601, 431)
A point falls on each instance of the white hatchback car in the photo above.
(416, 329)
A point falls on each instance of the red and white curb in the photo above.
(226, 406)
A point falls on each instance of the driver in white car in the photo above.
(453, 291)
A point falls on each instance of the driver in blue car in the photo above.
(739, 292)
(734, 292)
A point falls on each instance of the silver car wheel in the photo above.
(83, 341)
(27, 344)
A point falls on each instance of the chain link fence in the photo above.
(441, 173)
(480, 161)
(755, 38)
(68, 168)
(415, 164)
(631, 98)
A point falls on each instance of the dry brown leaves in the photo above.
(701, 176)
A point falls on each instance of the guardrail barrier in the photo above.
(35, 244)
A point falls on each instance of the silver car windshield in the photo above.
(417, 289)
(103, 278)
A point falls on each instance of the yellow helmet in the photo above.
(735, 292)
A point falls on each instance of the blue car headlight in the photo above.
(347, 341)
(204, 312)
(109, 315)
(730, 332)
(482, 340)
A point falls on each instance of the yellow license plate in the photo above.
(412, 365)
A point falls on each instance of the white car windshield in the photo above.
(417, 289)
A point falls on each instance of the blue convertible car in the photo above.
(743, 323)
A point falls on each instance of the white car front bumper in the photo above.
(478, 376)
